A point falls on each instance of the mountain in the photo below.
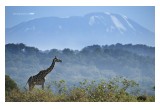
(79, 31)
(94, 62)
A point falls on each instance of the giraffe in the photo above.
(39, 78)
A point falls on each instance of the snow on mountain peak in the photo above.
(110, 29)
(107, 13)
(118, 24)
(125, 17)
(104, 19)
(30, 29)
(94, 19)
(130, 25)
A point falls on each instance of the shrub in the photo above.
(115, 90)
(10, 84)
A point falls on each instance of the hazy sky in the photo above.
(144, 15)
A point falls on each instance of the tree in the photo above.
(67, 51)
(10, 84)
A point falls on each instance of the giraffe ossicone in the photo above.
(39, 79)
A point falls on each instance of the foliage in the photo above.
(95, 62)
(10, 84)
(114, 90)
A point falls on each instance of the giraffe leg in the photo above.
(43, 86)
(31, 86)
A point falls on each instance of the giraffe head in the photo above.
(56, 59)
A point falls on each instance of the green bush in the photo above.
(10, 84)
(115, 90)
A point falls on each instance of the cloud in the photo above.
(23, 13)
(31, 13)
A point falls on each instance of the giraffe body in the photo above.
(39, 79)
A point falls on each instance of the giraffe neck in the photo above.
(51, 67)
(48, 70)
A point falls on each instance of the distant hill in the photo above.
(93, 62)
(100, 28)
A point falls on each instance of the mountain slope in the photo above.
(79, 31)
